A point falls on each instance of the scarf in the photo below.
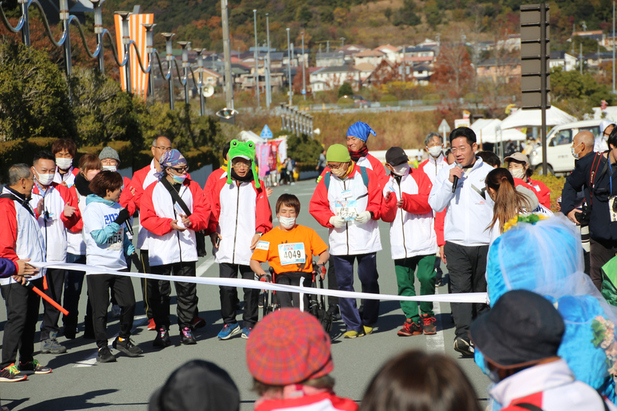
(246, 179)
(355, 155)
(82, 185)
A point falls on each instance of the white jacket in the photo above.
(25, 229)
(76, 244)
(551, 387)
(468, 214)
(411, 233)
(99, 214)
(148, 178)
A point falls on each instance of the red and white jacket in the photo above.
(20, 235)
(412, 227)
(67, 179)
(432, 166)
(326, 401)
(239, 210)
(141, 180)
(542, 192)
(550, 386)
(353, 239)
(371, 162)
(209, 188)
(166, 245)
(53, 223)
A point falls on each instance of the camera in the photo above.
(584, 216)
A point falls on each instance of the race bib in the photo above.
(347, 209)
(115, 242)
(263, 245)
(292, 253)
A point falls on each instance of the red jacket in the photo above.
(542, 192)
(209, 189)
(379, 169)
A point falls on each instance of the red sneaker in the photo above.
(410, 328)
(151, 325)
(428, 325)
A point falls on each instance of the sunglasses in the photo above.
(180, 170)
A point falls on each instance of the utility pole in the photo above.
(256, 58)
(613, 46)
(328, 46)
(303, 64)
(229, 98)
(580, 56)
(289, 66)
(268, 85)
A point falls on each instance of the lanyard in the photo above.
(610, 172)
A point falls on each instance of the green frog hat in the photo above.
(245, 150)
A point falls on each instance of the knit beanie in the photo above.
(338, 153)
(109, 152)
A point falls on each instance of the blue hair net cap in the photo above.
(547, 258)
(360, 130)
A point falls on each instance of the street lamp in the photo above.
(268, 79)
(289, 66)
(200, 68)
(303, 64)
(126, 39)
(98, 30)
(169, 56)
(186, 46)
(149, 50)
(256, 56)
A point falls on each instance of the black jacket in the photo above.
(600, 227)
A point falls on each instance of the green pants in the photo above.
(404, 269)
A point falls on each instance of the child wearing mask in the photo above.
(288, 249)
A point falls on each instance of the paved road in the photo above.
(77, 382)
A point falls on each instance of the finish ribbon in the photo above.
(481, 298)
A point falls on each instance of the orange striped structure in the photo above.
(137, 33)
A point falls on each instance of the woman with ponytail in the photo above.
(508, 201)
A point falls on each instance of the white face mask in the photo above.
(44, 179)
(64, 163)
(110, 168)
(518, 173)
(575, 154)
(287, 222)
(435, 151)
(401, 169)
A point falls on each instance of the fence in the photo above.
(101, 33)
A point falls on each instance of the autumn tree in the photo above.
(453, 69)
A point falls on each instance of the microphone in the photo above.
(455, 182)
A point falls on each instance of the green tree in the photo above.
(103, 111)
(303, 149)
(577, 93)
(433, 13)
(407, 15)
(34, 99)
(345, 90)
(388, 13)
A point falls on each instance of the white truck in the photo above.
(559, 143)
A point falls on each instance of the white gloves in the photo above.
(337, 221)
(363, 217)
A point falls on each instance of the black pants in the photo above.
(145, 262)
(467, 268)
(229, 295)
(51, 315)
(600, 253)
(332, 285)
(292, 299)
(99, 286)
(438, 272)
(186, 295)
(22, 313)
(73, 283)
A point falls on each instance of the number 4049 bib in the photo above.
(292, 253)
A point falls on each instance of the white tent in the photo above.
(250, 136)
(490, 131)
(533, 118)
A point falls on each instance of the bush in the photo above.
(388, 100)
(304, 150)
(345, 90)
(431, 99)
(555, 184)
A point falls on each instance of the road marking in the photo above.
(203, 267)
(91, 360)
(436, 343)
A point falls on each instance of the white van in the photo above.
(559, 144)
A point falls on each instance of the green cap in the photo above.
(338, 153)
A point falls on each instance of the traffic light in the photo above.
(535, 56)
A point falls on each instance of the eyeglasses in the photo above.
(240, 164)
(163, 148)
(180, 170)
(335, 167)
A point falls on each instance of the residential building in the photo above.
(329, 78)
(566, 61)
(499, 69)
(373, 57)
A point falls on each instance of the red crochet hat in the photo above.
(287, 347)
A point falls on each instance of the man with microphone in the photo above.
(459, 189)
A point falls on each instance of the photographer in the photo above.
(595, 174)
